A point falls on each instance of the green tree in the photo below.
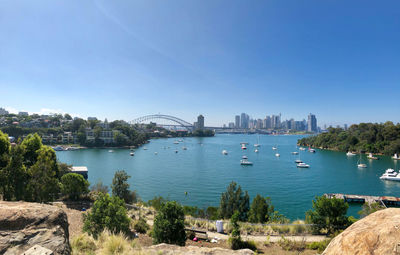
(44, 183)
(120, 187)
(74, 185)
(328, 214)
(261, 209)
(107, 213)
(169, 224)
(32, 144)
(234, 199)
(367, 209)
(14, 175)
(235, 239)
(67, 116)
(4, 149)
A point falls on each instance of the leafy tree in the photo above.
(32, 144)
(99, 187)
(169, 224)
(4, 149)
(107, 213)
(141, 226)
(235, 238)
(14, 175)
(234, 200)
(367, 209)
(157, 202)
(261, 210)
(43, 184)
(120, 187)
(73, 185)
(212, 213)
(328, 214)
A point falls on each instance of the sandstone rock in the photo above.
(24, 225)
(378, 233)
(167, 249)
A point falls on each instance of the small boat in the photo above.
(155, 153)
(132, 153)
(258, 142)
(298, 161)
(302, 165)
(110, 151)
(244, 157)
(176, 151)
(295, 153)
(370, 156)
(395, 156)
(180, 140)
(302, 148)
(244, 147)
(277, 155)
(311, 150)
(349, 153)
(245, 162)
(225, 152)
(58, 148)
(176, 142)
(256, 150)
(144, 148)
(359, 164)
(390, 175)
(184, 148)
(274, 148)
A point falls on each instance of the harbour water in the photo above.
(204, 172)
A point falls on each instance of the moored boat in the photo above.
(390, 175)
(370, 156)
(302, 165)
(349, 153)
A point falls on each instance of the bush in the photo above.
(234, 199)
(141, 226)
(169, 224)
(319, 246)
(107, 213)
(114, 244)
(83, 244)
(74, 185)
(157, 202)
(289, 245)
(120, 187)
(261, 210)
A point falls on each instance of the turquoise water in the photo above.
(204, 173)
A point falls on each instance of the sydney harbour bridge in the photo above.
(177, 121)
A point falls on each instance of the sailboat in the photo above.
(395, 156)
(361, 165)
(370, 156)
(258, 141)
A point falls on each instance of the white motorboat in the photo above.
(132, 153)
(225, 152)
(245, 162)
(302, 148)
(155, 153)
(256, 150)
(390, 175)
(349, 153)
(244, 147)
(302, 165)
(370, 156)
(274, 148)
(144, 148)
(110, 151)
(395, 156)
(277, 155)
(176, 142)
(298, 161)
(244, 157)
(184, 148)
(295, 153)
(311, 150)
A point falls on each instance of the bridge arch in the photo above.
(164, 117)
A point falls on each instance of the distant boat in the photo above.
(295, 153)
(176, 142)
(302, 165)
(244, 146)
(297, 161)
(245, 162)
(58, 148)
(132, 153)
(277, 155)
(311, 150)
(244, 157)
(274, 148)
(390, 175)
(111, 151)
(258, 142)
(144, 148)
(225, 152)
(370, 156)
(302, 148)
(256, 150)
(349, 153)
(184, 148)
(359, 164)
(395, 156)
(155, 153)
(176, 151)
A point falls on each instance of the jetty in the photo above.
(384, 200)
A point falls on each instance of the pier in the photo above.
(384, 200)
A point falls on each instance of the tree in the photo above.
(235, 239)
(67, 116)
(169, 224)
(4, 149)
(32, 144)
(120, 187)
(107, 213)
(261, 210)
(367, 209)
(328, 214)
(234, 200)
(44, 183)
(14, 175)
(73, 185)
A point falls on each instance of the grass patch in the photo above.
(319, 246)
(289, 245)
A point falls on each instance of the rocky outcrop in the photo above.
(168, 249)
(378, 233)
(24, 225)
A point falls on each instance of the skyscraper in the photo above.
(244, 120)
(200, 122)
(312, 123)
(237, 121)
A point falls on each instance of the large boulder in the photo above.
(24, 225)
(378, 233)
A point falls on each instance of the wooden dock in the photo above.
(384, 200)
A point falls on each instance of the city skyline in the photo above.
(126, 59)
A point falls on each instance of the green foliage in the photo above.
(120, 187)
(261, 210)
(107, 213)
(141, 226)
(44, 183)
(235, 241)
(203, 133)
(4, 149)
(157, 202)
(370, 137)
(169, 224)
(32, 144)
(289, 245)
(234, 199)
(74, 185)
(319, 246)
(328, 214)
(367, 209)
(212, 213)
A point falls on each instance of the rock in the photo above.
(38, 250)
(168, 249)
(24, 225)
(378, 233)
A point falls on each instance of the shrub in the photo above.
(107, 213)
(289, 245)
(157, 202)
(319, 246)
(83, 244)
(141, 226)
(113, 244)
(169, 225)
(74, 185)
(120, 187)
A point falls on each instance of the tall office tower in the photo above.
(312, 123)
(237, 121)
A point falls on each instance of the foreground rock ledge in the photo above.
(24, 225)
(378, 233)
(167, 249)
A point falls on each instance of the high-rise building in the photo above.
(312, 123)
(267, 121)
(292, 124)
(259, 124)
(3, 111)
(244, 120)
(276, 121)
(231, 125)
(200, 122)
(237, 121)
(345, 126)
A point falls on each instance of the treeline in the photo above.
(364, 137)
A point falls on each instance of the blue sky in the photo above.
(123, 59)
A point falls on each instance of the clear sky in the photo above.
(123, 59)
